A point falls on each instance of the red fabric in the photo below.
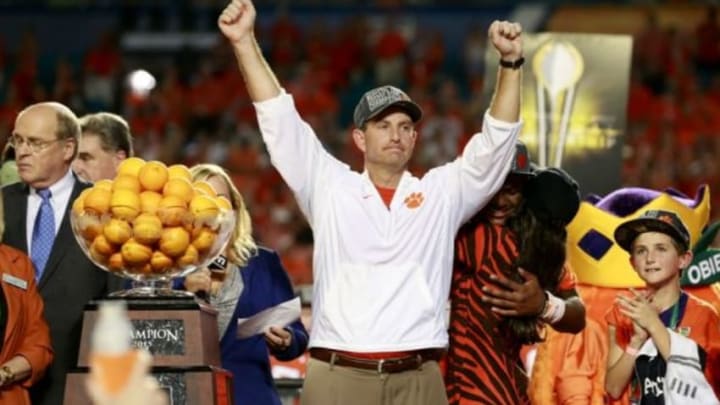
(386, 194)
(568, 281)
(26, 332)
(390, 45)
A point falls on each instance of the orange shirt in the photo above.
(698, 321)
(26, 332)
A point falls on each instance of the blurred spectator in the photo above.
(707, 40)
(102, 64)
(105, 141)
(390, 54)
(8, 167)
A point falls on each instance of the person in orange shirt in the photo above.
(26, 350)
(645, 328)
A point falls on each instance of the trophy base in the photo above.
(182, 385)
(177, 331)
(151, 289)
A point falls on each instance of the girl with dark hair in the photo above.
(510, 281)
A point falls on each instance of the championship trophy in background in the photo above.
(574, 103)
(149, 225)
(557, 66)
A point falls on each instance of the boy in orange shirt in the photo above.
(649, 330)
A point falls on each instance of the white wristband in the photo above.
(554, 309)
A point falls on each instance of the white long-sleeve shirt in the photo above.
(382, 276)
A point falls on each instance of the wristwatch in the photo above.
(512, 64)
(6, 375)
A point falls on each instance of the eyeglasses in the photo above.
(35, 145)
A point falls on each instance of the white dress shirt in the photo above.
(382, 276)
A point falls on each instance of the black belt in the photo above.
(413, 361)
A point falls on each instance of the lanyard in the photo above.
(675, 314)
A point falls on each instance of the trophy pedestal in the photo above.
(182, 336)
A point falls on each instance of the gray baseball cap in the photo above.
(662, 221)
(381, 98)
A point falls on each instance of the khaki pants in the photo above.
(335, 385)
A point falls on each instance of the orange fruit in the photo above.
(125, 204)
(179, 187)
(150, 201)
(104, 184)
(97, 201)
(91, 229)
(173, 211)
(204, 208)
(204, 239)
(116, 262)
(147, 229)
(203, 186)
(78, 206)
(160, 262)
(130, 166)
(179, 171)
(140, 269)
(135, 254)
(174, 241)
(153, 175)
(146, 217)
(97, 256)
(102, 245)
(117, 231)
(189, 258)
(126, 182)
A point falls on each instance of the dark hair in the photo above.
(112, 129)
(541, 251)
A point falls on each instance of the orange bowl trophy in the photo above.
(151, 224)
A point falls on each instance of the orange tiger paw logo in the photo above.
(414, 200)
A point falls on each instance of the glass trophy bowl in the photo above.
(152, 248)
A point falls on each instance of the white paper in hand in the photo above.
(280, 315)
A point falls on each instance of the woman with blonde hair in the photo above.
(252, 280)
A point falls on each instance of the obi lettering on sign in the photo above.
(704, 270)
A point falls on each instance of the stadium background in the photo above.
(327, 53)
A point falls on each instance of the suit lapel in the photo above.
(63, 240)
(15, 224)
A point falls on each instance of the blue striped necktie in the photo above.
(43, 234)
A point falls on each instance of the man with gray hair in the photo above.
(104, 143)
(45, 139)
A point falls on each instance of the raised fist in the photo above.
(506, 37)
(237, 21)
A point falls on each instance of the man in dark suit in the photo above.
(37, 218)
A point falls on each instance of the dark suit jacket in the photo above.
(69, 281)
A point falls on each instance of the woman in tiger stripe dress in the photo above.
(509, 281)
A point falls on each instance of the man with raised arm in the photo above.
(383, 237)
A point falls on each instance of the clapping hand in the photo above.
(640, 310)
